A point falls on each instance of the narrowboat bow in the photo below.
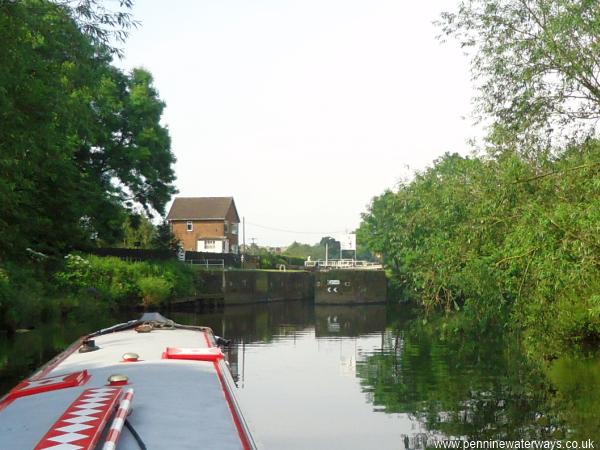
(148, 383)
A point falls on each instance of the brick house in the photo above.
(205, 224)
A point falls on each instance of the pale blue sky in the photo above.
(302, 110)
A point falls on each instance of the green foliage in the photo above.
(80, 140)
(510, 239)
(183, 278)
(155, 291)
(272, 261)
(430, 235)
(138, 232)
(505, 241)
(76, 271)
(88, 286)
(536, 63)
(164, 239)
(316, 251)
(298, 250)
(126, 283)
(104, 27)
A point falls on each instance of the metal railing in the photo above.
(208, 263)
(343, 264)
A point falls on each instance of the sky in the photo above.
(302, 110)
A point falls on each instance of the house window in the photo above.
(226, 227)
(190, 225)
(234, 228)
(209, 245)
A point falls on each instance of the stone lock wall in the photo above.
(350, 286)
(340, 287)
(249, 286)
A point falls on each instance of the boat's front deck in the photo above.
(177, 404)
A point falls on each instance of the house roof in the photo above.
(202, 208)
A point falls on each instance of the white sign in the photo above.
(333, 282)
(348, 242)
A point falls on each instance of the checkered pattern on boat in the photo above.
(81, 425)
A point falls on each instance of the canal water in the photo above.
(368, 377)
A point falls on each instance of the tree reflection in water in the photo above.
(482, 389)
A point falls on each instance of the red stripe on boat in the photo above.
(38, 385)
(80, 427)
(234, 412)
(237, 420)
(208, 340)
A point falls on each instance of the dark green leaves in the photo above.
(79, 139)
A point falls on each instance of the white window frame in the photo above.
(234, 228)
(226, 226)
(190, 225)
(210, 244)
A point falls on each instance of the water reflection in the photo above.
(252, 323)
(370, 377)
(23, 353)
(349, 321)
(483, 390)
(576, 380)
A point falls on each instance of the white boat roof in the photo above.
(177, 404)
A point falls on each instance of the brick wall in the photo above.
(233, 238)
(201, 229)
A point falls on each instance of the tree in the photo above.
(164, 239)
(375, 231)
(316, 251)
(299, 250)
(39, 83)
(537, 66)
(333, 246)
(103, 26)
(138, 232)
(124, 146)
(81, 142)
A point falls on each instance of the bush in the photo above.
(155, 291)
(87, 285)
(505, 242)
(119, 281)
(273, 261)
(181, 276)
(76, 272)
